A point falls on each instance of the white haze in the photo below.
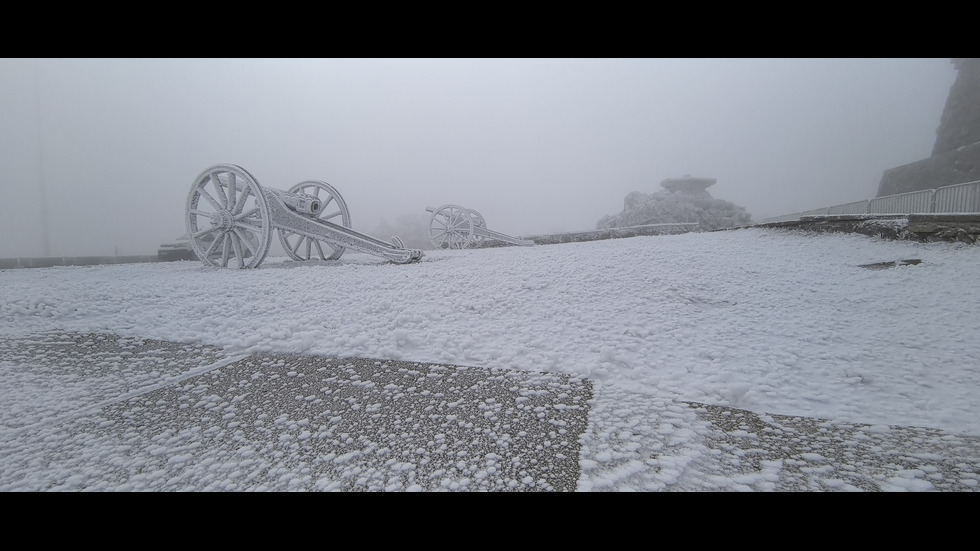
(97, 155)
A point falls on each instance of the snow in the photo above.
(787, 327)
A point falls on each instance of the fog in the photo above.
(97, 155)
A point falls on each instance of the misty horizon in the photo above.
(99, 154)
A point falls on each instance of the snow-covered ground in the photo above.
(765, 320)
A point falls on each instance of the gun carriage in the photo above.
(230, 221)
(456, 227)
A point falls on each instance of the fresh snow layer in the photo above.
(765, 320)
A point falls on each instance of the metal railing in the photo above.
(903, 203)
(957, 198)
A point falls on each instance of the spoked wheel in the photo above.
(478, 222)
(332, 209)
(451, 227)
(228, 219)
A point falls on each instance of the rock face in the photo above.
(960, 122)
(683, 200)
(955, 156)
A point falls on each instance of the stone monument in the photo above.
(683, 200)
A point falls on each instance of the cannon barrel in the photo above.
(302, 203)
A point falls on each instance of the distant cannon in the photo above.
(456, 227)
(230, 219)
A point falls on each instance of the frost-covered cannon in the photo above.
(231, 218)
(456, 227)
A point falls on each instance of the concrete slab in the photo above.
(122, 406)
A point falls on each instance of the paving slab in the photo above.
(206, 421)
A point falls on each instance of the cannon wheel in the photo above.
(228, 220)
(478, 222)
(332, 209)
(451, 227)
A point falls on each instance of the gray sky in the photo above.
(112, 146)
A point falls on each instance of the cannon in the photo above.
(456, 227)
(230, 221)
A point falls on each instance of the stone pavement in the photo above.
(98, 412)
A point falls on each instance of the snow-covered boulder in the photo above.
(683, 200)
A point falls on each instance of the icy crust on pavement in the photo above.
(755, 452)
(638, 442)
(209, 422)
(291, 423)
(52, 374)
